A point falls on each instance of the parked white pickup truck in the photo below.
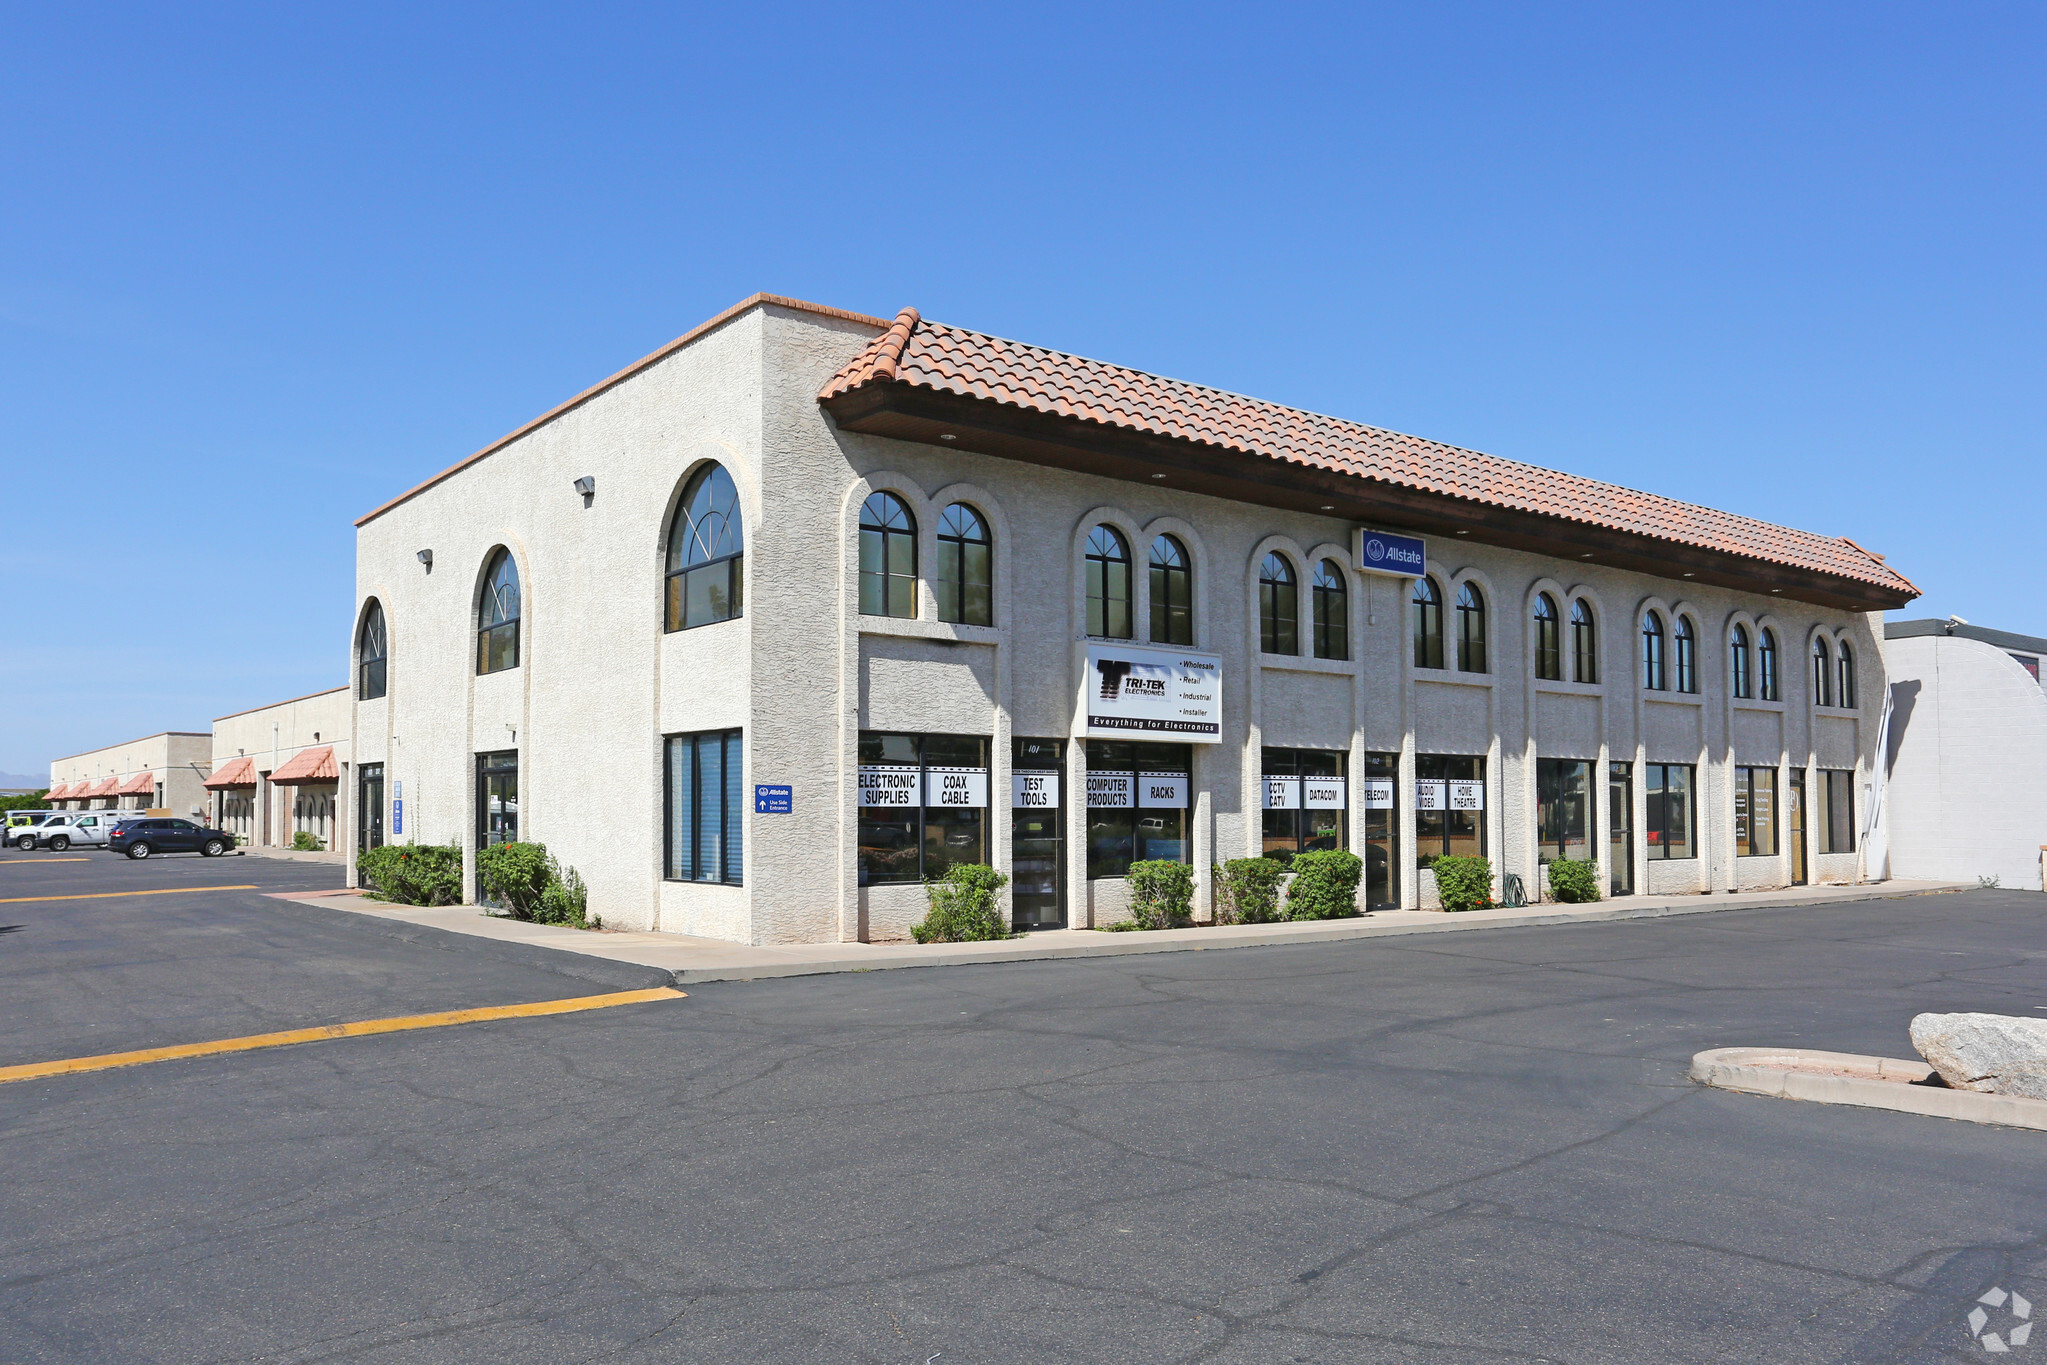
(86, 828)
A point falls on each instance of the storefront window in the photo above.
(1138, 797)
(923, 805)
(1836, 815)
(1449, 807)
(1381, 835)
(1305, 796)
(369, 825)
(1563, 808)
(1667, 817)
(497, 798)
(1755, 812)
(706, 807)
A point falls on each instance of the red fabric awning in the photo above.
(60, 792)
(142, 784)
(104, 787)
(236, 772)
(309, 765)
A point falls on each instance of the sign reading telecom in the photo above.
(1379, 552)
(1159, 694)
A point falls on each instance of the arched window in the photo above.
(1470, 629)
(1172, 593)
(1428, 623)
(966, 568)
(1686, 642)
(1108, 584)
(1279, 607)
(1653, 677)
(888, 557)
(1737, 662)
(370, 654)
(1766, 665)
(1846, 691)
(1584, 643)
(1332, 611)
(1549, 643)
(706, 553)
(1822, 674)
(497, 625)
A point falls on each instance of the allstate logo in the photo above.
(2013, 1321)
(1375, 549)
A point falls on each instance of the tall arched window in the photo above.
(888, 557)
(1822, 674)
(1737, 662)
(1686, 642)
(1766, 666)
(370, 653)
(1172, 593)
(1549, 643)
(1653, 676)
(706, 553)
(966, 568)
(1846, 691)
(1108, 584)
(1470, 629)
(497, 625)
(1584, 643)
(1427, 613)
(1279, 607)
(1332, 611)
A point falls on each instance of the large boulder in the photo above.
(1993, 1053)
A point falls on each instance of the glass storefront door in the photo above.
(1620, 829)
(497, 798)
(1037, 834)
(369, 824)
(1796, 804)
(1380, 843)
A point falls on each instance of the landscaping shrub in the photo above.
(413, 874)
(1161, 894)
(1463, 883)
(966, 906)
(531, 884)
(1247, 891)
(303, 841)
(1325, 885)
(1573, 880)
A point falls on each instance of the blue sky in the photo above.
(260, 270)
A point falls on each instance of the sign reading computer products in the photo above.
(1382, 552)
(1155, 694)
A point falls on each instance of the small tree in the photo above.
(1247, 891)
(1463, 883)
(1161, 894)
(966, 906)
(1573, 880)
(1325, 885)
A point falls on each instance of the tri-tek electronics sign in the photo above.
(1157, 694)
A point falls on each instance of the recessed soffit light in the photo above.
(1158, 476)
(947, 436)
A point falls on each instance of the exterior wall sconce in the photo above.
(587, 486)
(426, 557)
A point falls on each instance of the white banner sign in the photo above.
(1109, 790)
(1467, 796)
(1033, 791)
(888, 785)
(1378, 793)
(1323, 793)
(1137, 693)
(956, 787)
(1428, 795)
(1282, 793)
(1162, 791)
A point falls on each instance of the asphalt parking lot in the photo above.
(1467, 1147)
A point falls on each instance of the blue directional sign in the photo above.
(1383, 552)
(773, 799)
(397, 815)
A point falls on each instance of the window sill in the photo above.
(1675, 698)
(1453, 677)
(1752, 704)
(914, 628)
(1305, 663)
(1570, 689)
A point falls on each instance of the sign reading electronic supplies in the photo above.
(1159, 694)
(1379, 552)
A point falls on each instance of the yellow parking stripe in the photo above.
(108, 1061)
(41, 861)
(116, 895)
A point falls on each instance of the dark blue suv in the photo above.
(148, 837)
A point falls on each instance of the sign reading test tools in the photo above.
(1381, 552)
(1155, 694)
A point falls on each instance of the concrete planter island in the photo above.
(1850, 1078)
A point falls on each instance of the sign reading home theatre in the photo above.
(1134, 693)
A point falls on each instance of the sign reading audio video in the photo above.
(1136, 693)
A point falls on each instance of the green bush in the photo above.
(1161, 894)
(1463, 883)
(1325, 885)
(303, 842)
(1247, 891)
(413, 874)
(966, 906)
(528, 881)
(1573, 880)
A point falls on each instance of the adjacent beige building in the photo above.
(277, 770)
(165, 773)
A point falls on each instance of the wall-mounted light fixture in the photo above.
(426, 557)
(587, 486)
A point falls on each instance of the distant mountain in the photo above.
(10, 782)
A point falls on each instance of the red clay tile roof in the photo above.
(972, 364)
(309, 765)
(236, 772)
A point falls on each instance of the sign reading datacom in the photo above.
(1136, 693)
(1379, 552)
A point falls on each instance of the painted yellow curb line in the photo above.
(116, 895)
(108, 1061)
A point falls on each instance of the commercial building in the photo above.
(1967, 753)
(790, 615)
(278, 770)
(164, 773)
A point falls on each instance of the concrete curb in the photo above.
(1851, 1078)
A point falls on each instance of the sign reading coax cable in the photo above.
(1157, 694)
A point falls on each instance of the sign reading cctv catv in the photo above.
(1379, 552)
(1134, 693)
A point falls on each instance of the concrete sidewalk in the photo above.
(705, 959)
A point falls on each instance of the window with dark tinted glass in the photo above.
(1305, 797)
(1139, 804)
(1549, 645)
(1836, 813)
(497, 632)
(371, 654)
(1449, 807)
(1107, 565)
(706, 807)
(1172, 593)
(1668, 817)
(923, 805)
(1584, 643)
(1738, 662)
(965, 583)
(1426, 623)
(1563, 809)
(1755, 812)
(1332, 611)
(706, 553)
(1279, 607)
(888, 557)
(1471, 632)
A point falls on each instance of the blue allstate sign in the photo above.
(1382, 552)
